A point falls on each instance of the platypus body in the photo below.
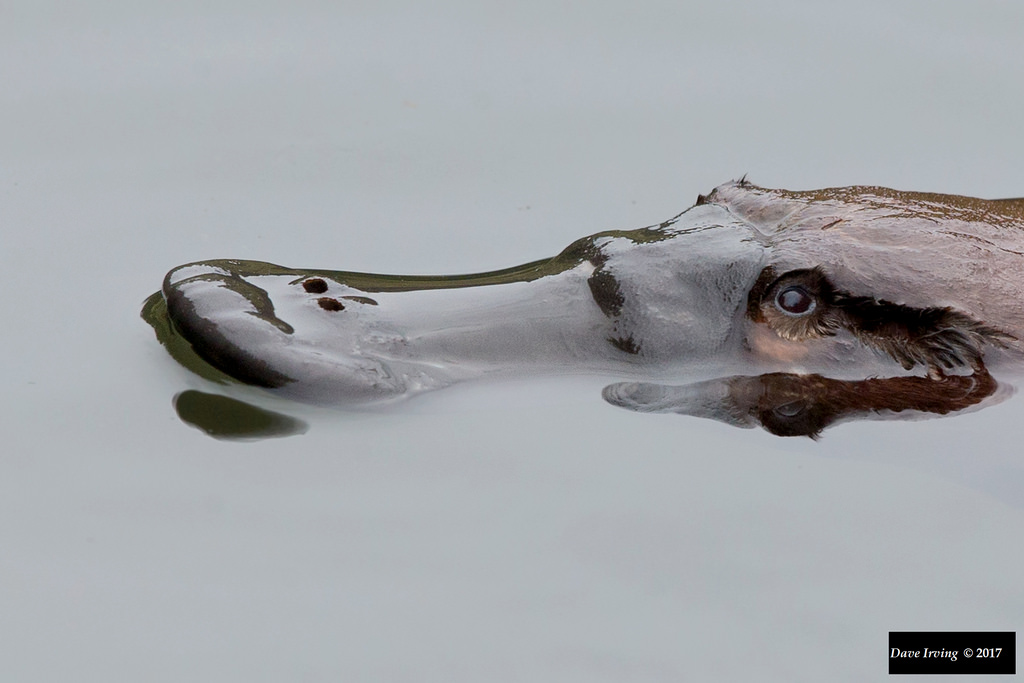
(848, 282)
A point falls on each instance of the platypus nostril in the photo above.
(329, 304)
(315, 286)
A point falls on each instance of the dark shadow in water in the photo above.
(805, 405)
(233, 420)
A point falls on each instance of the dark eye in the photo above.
(791, 409)
(795, 300)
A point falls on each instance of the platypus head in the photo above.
(929, 281)
(849, 281)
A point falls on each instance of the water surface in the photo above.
(495, 531)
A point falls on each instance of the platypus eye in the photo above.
(795, 300)
(790, 410)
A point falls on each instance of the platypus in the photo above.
(848, 282)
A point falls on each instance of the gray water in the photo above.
(512, 530)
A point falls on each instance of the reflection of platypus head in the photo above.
(850, 280)
(805, 405)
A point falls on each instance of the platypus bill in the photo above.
(847, 282)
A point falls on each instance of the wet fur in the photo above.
(939, 338)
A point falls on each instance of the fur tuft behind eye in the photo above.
(803, 304)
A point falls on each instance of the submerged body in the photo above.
(849, 282)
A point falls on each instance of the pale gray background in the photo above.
(522, 531)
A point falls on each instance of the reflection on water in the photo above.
(233, 420)
(804, 405)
